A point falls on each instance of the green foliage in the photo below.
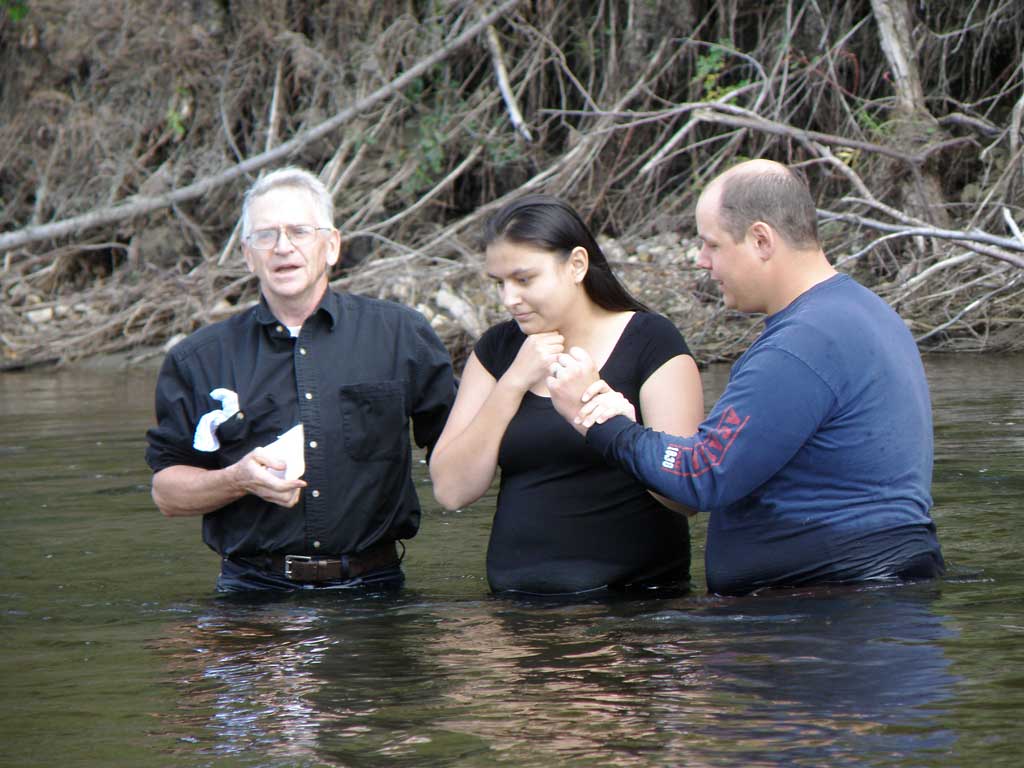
(433, 146)
(709, 67)
(177, 112)
(16, 9)
(866, 118)
(430, 150)
(710, 70)
(175, 123)
(503, 152)
(414, 91)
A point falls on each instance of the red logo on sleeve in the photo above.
(696, 459)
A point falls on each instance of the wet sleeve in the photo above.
(769, 410)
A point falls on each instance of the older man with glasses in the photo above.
(287, 426)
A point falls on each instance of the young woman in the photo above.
(565, 522)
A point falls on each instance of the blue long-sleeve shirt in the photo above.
(816, 461)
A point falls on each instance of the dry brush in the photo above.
(128, 143)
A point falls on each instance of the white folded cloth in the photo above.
(289, 449)
(205, 438)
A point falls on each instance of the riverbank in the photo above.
(124, 320)
(128, 150)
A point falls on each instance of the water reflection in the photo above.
(843, 677)
(284, 677)
(547, 684)
(117, 654)
(836, 676)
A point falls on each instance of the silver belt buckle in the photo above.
(289, 559)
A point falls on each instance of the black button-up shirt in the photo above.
(359, 370)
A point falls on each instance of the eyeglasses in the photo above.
(298, 235)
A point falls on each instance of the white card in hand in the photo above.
(289, 449)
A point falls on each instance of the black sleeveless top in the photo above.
(566, 521)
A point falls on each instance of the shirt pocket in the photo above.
(255, 424)
(374, 420)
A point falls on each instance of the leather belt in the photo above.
(312, 568)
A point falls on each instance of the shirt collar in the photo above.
(330, 303)
(799, 301)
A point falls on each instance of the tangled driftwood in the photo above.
(122, 169)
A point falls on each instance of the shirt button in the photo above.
(316, 494)
(312, 443)
(302, 350)
(316, 545)
(309, 395)
(280, 329)
(240, 415)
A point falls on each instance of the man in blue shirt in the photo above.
(815, 464)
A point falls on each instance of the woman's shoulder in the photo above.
(649, 341)
(501, 335)
(498, 346)
(651, 325)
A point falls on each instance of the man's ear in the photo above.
(333, 247)
(247, 255)
(579, 261)
(763, 238)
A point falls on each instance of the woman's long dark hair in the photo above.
(546, 222)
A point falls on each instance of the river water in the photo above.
(116, 652)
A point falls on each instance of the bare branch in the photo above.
(969, 308)
(1012, 225)
(501, 72)
(967, 239)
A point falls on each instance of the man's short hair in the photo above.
(779, 197)
(295, 178)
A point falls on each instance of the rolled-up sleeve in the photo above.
(170, 441)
